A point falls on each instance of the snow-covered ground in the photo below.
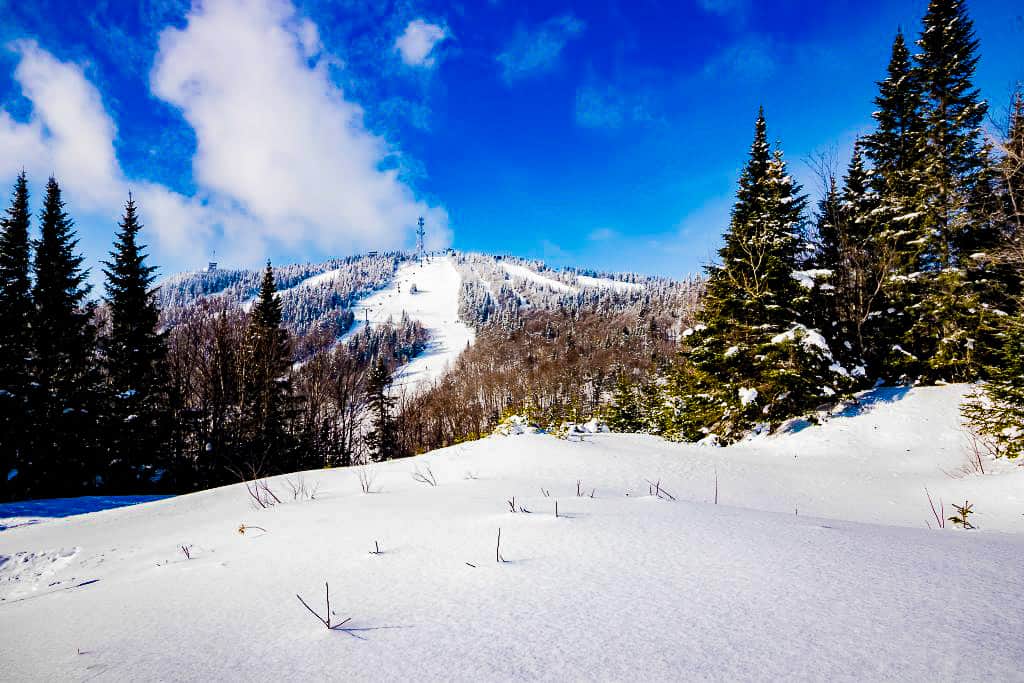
(607, 283)
(525, 273)
(435, 304)
(815, 565)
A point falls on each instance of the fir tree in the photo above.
(15, 338)
(952, 320)
(381, 440)
(895, 150)
(134, 355)
(266, 397)
(754, 358)
(64, 357)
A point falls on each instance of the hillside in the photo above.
(456, 293)
(816, 563)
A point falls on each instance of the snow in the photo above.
(747, 395)
(809, 339)
(807, 278)
(815, 565)
(533, 276)
(608, 283)
(435, 304)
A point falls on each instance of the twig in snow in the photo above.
(366, 477)
(186, 550)
(326, 621)
(424, 476)
(497, 551)
(376, 549)
(545, 492)
(659, 491)
(940, 514)
(512, 507)
(242, 528)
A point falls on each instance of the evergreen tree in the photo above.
(996, 410)
(754, 359)
(15, 339)
(64, 358)
(266, 396)
(953, 319)
(859, 271)
(134, 355)
(381, 440)
(895, 150)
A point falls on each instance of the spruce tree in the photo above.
(953, 322)
(15, 339)
(381, 440)
(134, 357)
(266, 395)
(895, 150)
(64, 358)
(753, 359)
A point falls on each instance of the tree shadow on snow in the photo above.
(66, 507)
(875, 397)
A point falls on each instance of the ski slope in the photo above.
(435, 304)
(622, 585)
(608, 283)
(524, 273)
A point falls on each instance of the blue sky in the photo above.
(606, 134)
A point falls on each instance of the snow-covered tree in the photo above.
(753, 358)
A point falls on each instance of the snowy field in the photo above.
(435, 304)
(816, 564)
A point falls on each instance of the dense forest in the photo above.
(907, 269)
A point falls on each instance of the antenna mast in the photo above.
(420, 234)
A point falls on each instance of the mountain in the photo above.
(451, 295)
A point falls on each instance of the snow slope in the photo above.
(608, 283)
(621, 586)
(435, 304)
(525, 273)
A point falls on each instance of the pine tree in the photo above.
(266, 396)
(753, 358)
(953, 318)
(381, 440)
(15, 339)
(895, 150)
(64, 357)
(134, 355)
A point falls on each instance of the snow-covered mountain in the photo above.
(806, 555)
(450, 294)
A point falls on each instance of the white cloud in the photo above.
(537, 50)
(416, 44)
(276, 136)
(69, 132)
(283, 164)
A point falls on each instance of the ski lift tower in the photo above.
(420, 234)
